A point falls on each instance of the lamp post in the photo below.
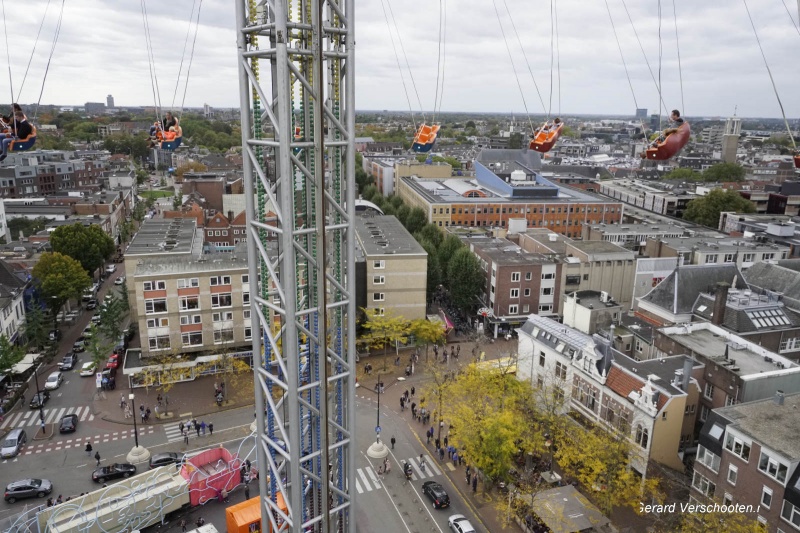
(138, 454)
(39, 394)
(378, 449)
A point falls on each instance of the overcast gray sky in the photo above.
(102, 51)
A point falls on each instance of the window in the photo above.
(729, 400)
(733, 474)
(515, 276)
(526, 308)
(248, 333)
(791, 514)
(154, 285)
(220, 317)
(156, 305)
(220, 280)
(528, 276)
(513, 309)
(738, 447)
(526, 292)
(191, 319)
(221, 300)
(703, 413)
(573, 280)
(223, 335)
(729, 258)
(541, 358)
(246, 314)
(703, 484)
(790, 344)
(380, 311)
(711, 258)
(766, 497)
(545, 308)
(245, 298)
(159, 342)
(727, 499)
(708, 392)
(514, 293)
(379, 264)
(378, 280)
(190, 282)
(378, 297)
(748, 258)
(194, 338)
(586, 277)
(188, 303)
(157, 322)
(642, 435)
(708, 458)
(561, 370)
(768, 257)
(772, 467)
(547, 291)
(245, 278)
(550, 275)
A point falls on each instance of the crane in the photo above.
(299, 179)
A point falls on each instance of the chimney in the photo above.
(687, 373)
(230, 216)
(778, 399)
(720, 300)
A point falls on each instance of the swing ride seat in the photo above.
(671, 145)
(425, 138)
(171, 144)
(544, 141)
(797, 161)
(21, 145)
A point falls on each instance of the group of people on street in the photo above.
(199, 428)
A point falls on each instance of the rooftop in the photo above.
(639, 229)
(385, 235)
(503, 252)
(776, 426)
(740, 356)
(600, 247)
(661, 372)
(705, 244)
(174, 236)
(592, 299)
(220, 262)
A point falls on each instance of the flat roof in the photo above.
(385, 235)
(707, 244)
(776, 426)
(652, 229)
(170, 236)
(660, 371)
(504, 252)
(590, 297)
(219, 262)
(600, 247)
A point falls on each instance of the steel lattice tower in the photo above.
(299, 180)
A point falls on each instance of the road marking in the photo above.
(371, 473)
(358, 487)
(363, 478)
(450, 466)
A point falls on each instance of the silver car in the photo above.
(54, 381)
(459, 524)
(27, 488)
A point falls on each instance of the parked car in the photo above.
(68, 362)
(110, 269)
(39, 399)
(459, 524)
(95, 320)
(54, 335)
(91, 304)
(113, 471)
(27, 488)
(164, 459)
(54, 381)
(113, 361)
(437, 494)
(87, 331)
(88, 369)
(13, 443)
(80, 345)
(68, 424)
(120, 280)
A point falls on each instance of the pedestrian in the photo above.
(97, 457)
(185, 437)
(455, 458)
(445, 440)
(397, 361)
(159, 399)
(210, 429)
(49, 502)
(247, 492)
(405, 395)
(412, 391)
(475, 483)
(122, 401)
(469, 477)
(422, 463)
(203, 427)
(59, 499)
(393, 441)
(183, 525)
(147, 414)
(88, 449)
(436, 443)
(408, 371)
(428, 437)
(197, 429)
(441, 454)
(402, 404)
(180, 427)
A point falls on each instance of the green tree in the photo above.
(470, 124)
(141, 176)
(706, 210)
(10, 354)
(36, 326)
(416, 220)
(191, 166)
(434, 275)
(97, 348)
(402, 214)
(125, 230)
(683, 174)
(446, 250)
(89, 245)
(431, 233)
(384, 330)
(464, 268)
(515, 140)
(426, 333)
(722, 172)
(59, 278)
(111, 314)
(124, 289)
(125, 143)
(139, 211)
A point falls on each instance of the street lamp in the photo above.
(39, 395)
(138, 454)
(378, 449)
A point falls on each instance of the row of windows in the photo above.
(184, 283)
(195, 338)
(516, 276)
(154, 306)
(502, 223)
(523, 210)
(746, 258)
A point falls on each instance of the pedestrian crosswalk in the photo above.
(368, 480)
(173, 429)
(52, 415)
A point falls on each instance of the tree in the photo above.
(470, 124)
(10, 354)
(416, 220)
(125, 143)
(706, 210)
(139, 211)
(402, 214)
(434, 274)
(90, 245)
(141, 176)
(697, 522)
(97, 348)
(447, 249)
(235, 371)
(36, 327)
(426, 333)
(515, 140)
(384, 330)
(111, 314)
(191, 166)
(125, 230)
(724, 172)
(470, 280)
(683, 174)
(59, 278)
(431, 233)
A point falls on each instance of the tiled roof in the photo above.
(623, 384)
(217, 221)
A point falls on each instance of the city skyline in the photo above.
(722, 69)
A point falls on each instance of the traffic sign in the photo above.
(377, 429)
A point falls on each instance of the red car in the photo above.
(113, 361)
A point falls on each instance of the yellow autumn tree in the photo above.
(426, 333)
(384, 330)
